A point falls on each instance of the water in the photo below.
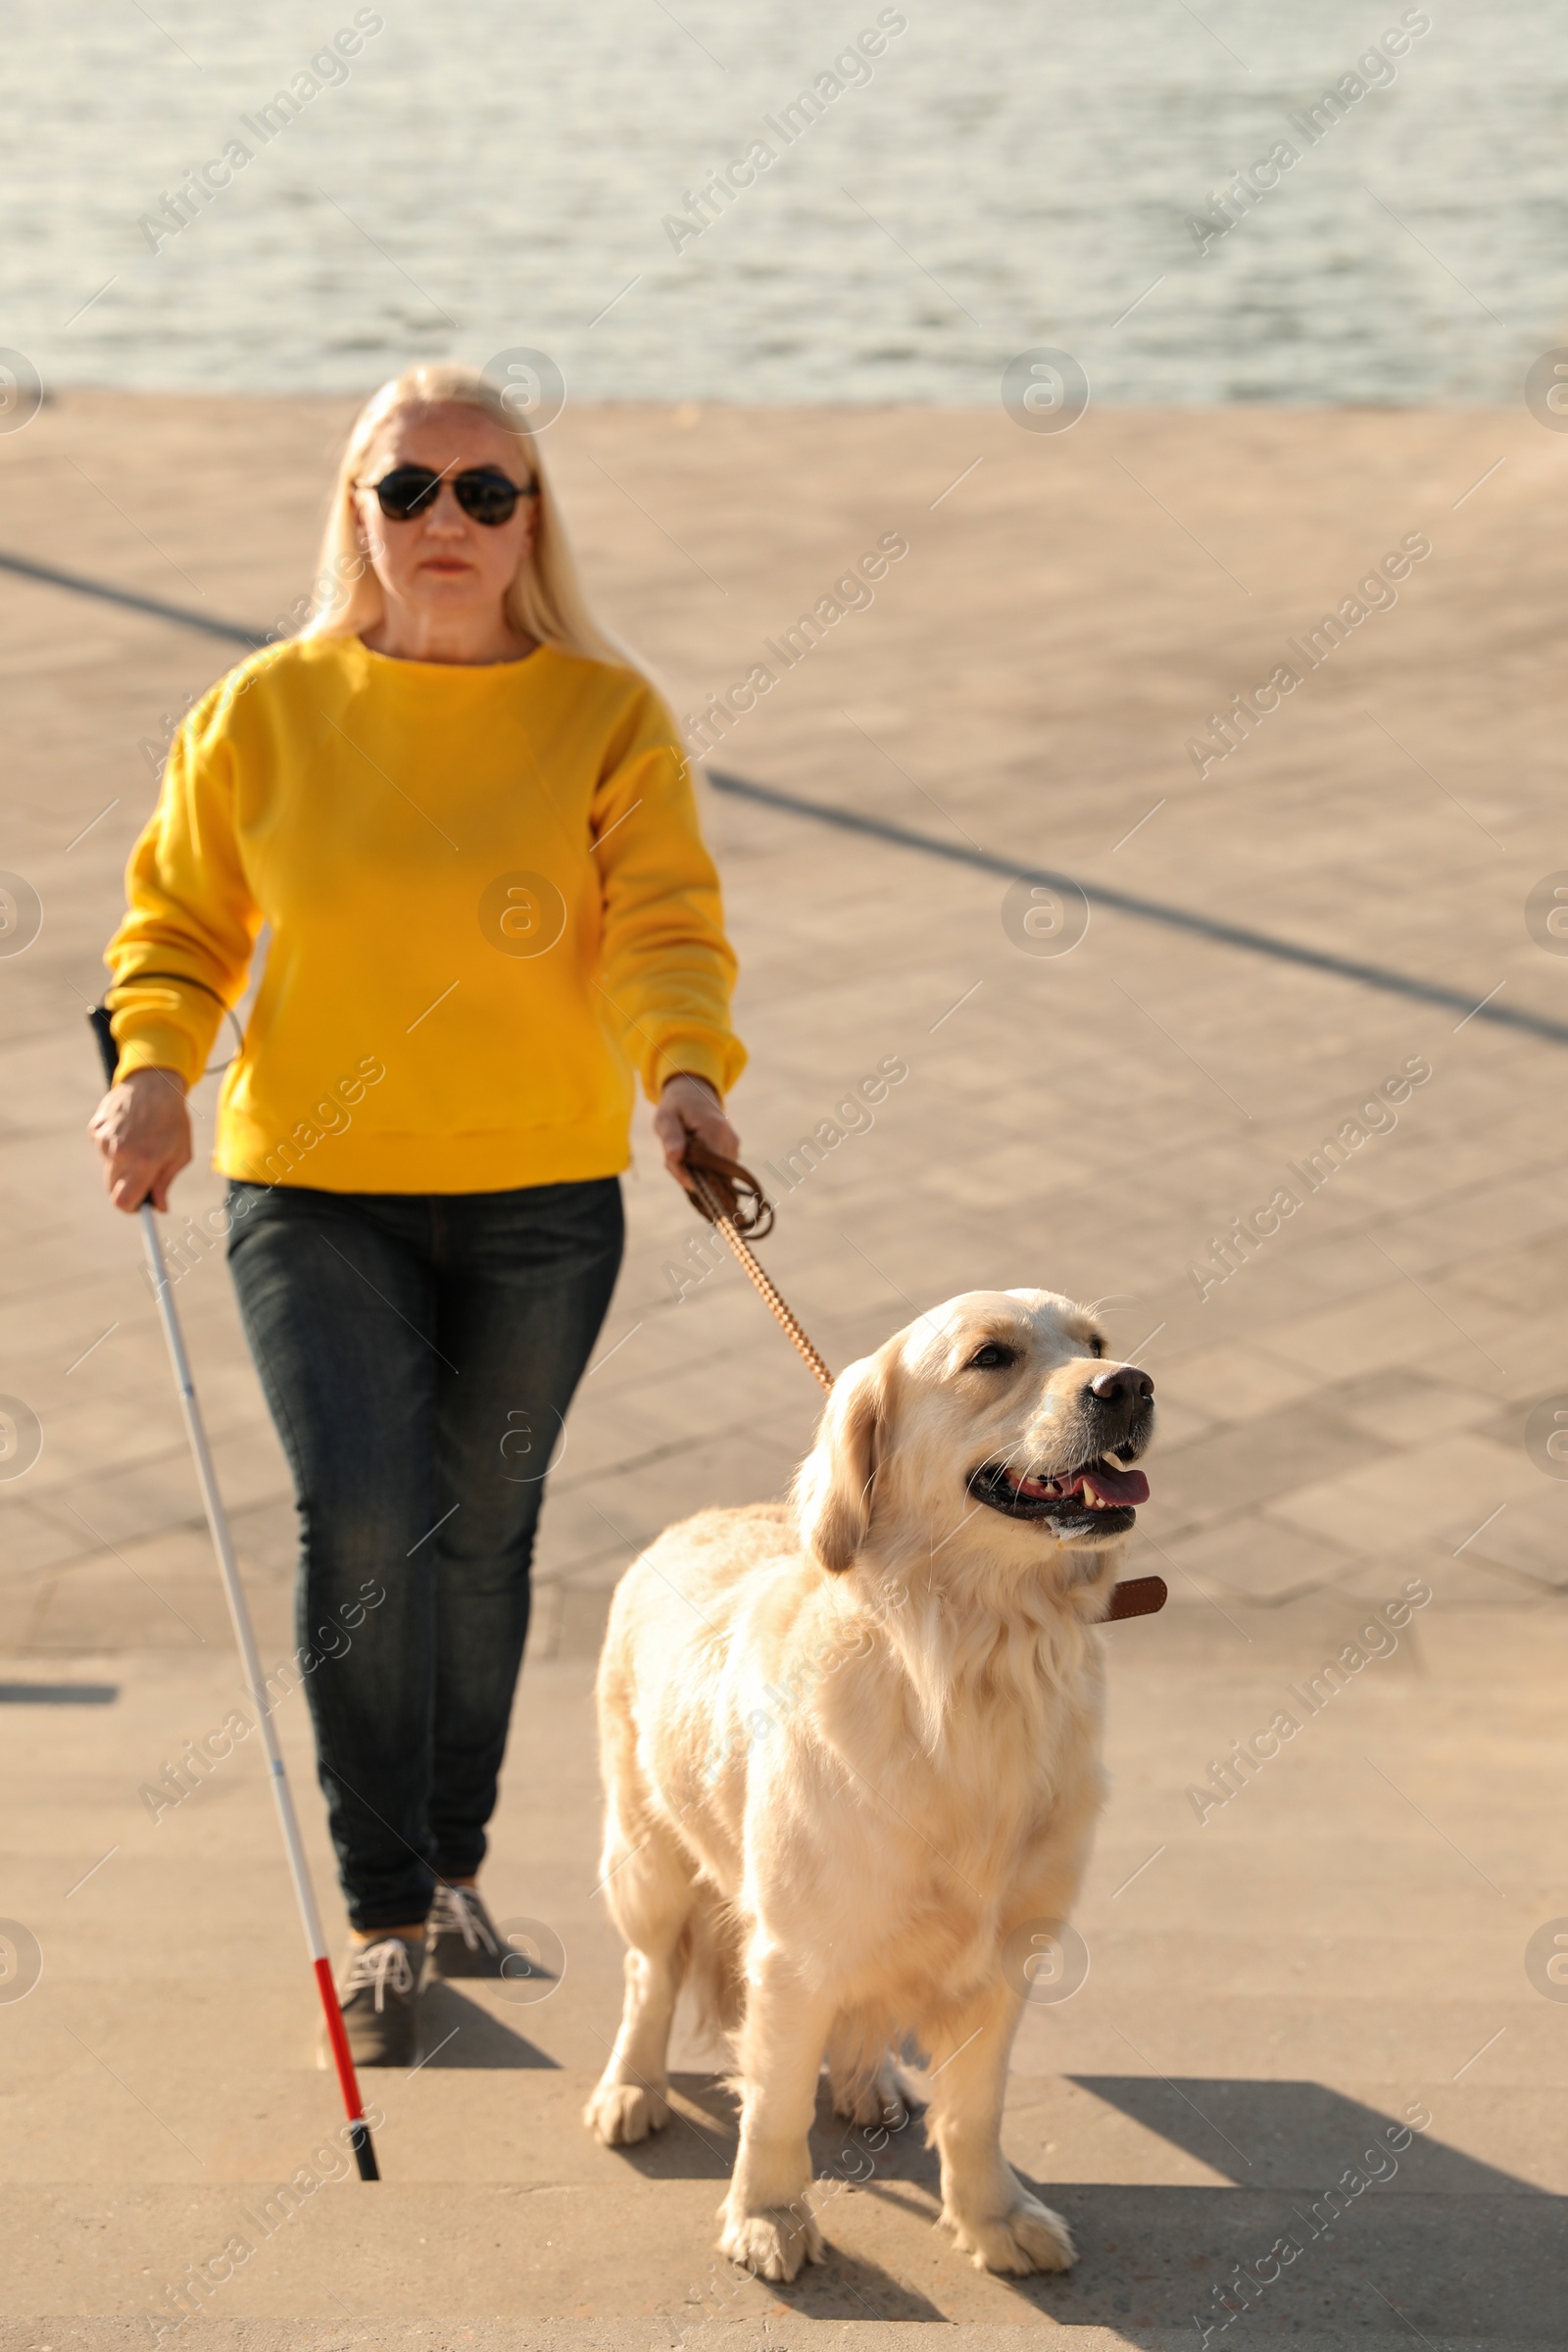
(1010, 176)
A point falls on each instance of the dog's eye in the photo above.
(992, 1357)
(1095, 1345)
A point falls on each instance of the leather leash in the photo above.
(729, 1196)
(726, 1195)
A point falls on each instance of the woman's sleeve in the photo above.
(668, 968)
(190, 910)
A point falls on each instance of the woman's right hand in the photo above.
(142, 1130)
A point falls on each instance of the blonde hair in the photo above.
(545, 599)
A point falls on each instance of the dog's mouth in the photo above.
(1100, 1499)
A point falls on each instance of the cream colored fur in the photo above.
(849, 1746)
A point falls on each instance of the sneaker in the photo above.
(462, 1936)
(379, 1993)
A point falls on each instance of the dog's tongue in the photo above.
(1116, 1486)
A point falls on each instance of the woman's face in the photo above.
(441, 562)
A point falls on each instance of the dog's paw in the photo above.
(1031, 2238)
(773, 2244)
(871, 2104)
(621, 2113)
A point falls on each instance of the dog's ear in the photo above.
(834, 1485)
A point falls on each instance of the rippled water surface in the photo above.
(1006, 174)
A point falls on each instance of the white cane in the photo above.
(240, 1619)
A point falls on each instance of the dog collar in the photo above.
(1139, 1596)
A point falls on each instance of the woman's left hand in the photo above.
(689, 1106)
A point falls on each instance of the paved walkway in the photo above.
(1342, 1941)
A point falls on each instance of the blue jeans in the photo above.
(418, 1352)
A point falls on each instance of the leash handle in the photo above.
(741, 1198)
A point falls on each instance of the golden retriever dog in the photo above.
(851, 1751)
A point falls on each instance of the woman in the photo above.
(468, 823)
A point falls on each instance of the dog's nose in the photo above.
(1121, 1383)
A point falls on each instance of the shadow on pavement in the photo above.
(1295, 2136)
(1443, 2245)
(1188, 919)
(459, 2032)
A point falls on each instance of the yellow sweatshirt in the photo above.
(488, 902)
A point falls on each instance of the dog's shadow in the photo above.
(1427, 2247)
(1441, 2240)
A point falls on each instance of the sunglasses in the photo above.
(489, 498)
